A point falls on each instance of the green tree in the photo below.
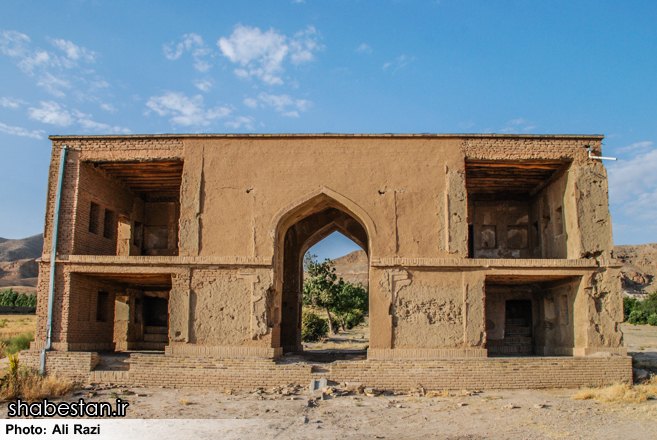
(351, 297)
(322, 288)
(339, 298)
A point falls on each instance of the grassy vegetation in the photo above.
(621, 393)
(14, 344)
(29, 384)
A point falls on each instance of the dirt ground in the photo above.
(504, 414)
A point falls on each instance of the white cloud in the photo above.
(203, 85)
(262, 54)
(364, 48)
(11, 103)
(251, 102)
(14, 44)
(399, 62)
(284, 104)
(636, 147)
(48, 67)
(73, 52)
(186, 111)
(51, 113)
(241, 121)
(108, 107)
(53, 84)
(98, 127)
(19, 131)
(514, 126)
(191, 43)
(632, 177)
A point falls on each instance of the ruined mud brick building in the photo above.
(490, 258)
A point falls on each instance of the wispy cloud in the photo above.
(53, 113)
(190, 43)
(263, 54)
(284, 104)
(203, 85)
(50, 67)
(399, 62)
(637, 147)
(19, 131)
(364, 48)
(241, 121)
(634, 177)
(186, 111)
(11, 103)
(518, 125)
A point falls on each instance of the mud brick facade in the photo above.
(490, 258)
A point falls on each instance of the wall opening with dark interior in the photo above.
(131, 208)
(298, 239)
(119, 312)
(516, 208)
(530, 315)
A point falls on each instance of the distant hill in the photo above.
(353, 267)
(12, 250)
(639, 271)
(18, 266)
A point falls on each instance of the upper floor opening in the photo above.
(128, 208)
(517, 209)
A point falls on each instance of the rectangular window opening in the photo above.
(110, 224)
(102, 307)
(94, 218)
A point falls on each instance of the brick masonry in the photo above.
(398, 374)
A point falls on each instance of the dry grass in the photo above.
(14, 325)
(30, 385)
(621, 393)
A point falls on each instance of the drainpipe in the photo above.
(53, 255)
(598, 157)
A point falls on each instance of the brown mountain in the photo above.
(18, 267)
(639, 272)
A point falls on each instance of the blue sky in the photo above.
(448, 66)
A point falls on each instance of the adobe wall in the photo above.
(239, 196)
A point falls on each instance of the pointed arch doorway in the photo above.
(304, 226)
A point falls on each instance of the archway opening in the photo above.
(327, 226)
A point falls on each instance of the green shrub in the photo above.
(641, 312)
(652, 319)
(313, 328)
(354, 318)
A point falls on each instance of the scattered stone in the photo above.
(462, 404)
(510, 406)
(640, 373)
(304, 419)
(371, 392)
(540, 405)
